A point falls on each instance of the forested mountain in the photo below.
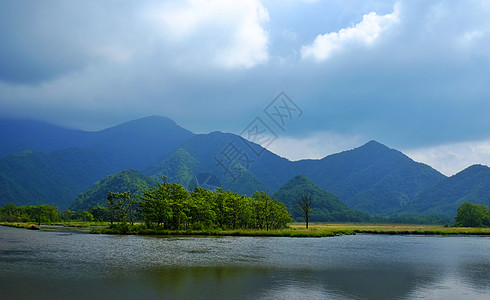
(128, 180)
(372, 178)
(470, 185)
(57, 177)
(326, 207)
(229, 158)
(20, 135)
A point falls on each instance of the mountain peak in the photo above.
(476, 168)
(145, 123)
(374, 144)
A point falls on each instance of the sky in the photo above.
(413, 75)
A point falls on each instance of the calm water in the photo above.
(60, 265)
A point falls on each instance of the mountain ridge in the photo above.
(372, 178)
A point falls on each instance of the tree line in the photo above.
(170, 206)
(167, 206)
(48, 214)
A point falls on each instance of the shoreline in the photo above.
(294, 230)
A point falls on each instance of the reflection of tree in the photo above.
(476, 274)
(253, 282)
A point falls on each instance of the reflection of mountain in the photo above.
(254, 282)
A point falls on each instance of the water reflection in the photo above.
(47, 265)
(476, 274)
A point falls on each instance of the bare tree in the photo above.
(304, 207)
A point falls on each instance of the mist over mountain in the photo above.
(43, 163)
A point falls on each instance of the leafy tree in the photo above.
(100, 213)
(9, 213)
(67, 215)
(155, 204)
(471, 215)
(120, 206)
(87, 216)
(304, 207)
(201, 208)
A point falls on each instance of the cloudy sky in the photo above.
(413, 75)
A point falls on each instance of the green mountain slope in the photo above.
(269, 169)
(326, 207)
(179, 166)
(199, 155)
(470, 185)
(30, 178)
(372, 178)
(128, 180)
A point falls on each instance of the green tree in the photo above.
(155, 204)
(9, 213)
(100, 213)
(201, 208)
(87, 216)
(470, 215)
(179, 203)
(121, 207)
(67, 215)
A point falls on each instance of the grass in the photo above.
(21, 225)
(288, 232)
(314, 230)
(394, 229)
(293, 230)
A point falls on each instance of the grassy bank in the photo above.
(394, 229)
(21, 225)
(288, 232)
(299, 230)
(293, 230)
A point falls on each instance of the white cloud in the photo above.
(314, 146)
(364, 33)
(228, 33)
(449, 159)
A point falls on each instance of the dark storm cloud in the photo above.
(410, 74)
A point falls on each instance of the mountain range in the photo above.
(43, 163)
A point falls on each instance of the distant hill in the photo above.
(470, 185)
(20, 135)
(326, 207)
(59, 176)
(128, 180)
(372, 178)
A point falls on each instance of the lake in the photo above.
(65, 265)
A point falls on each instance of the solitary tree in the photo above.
(470, 215)
(304, 207)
